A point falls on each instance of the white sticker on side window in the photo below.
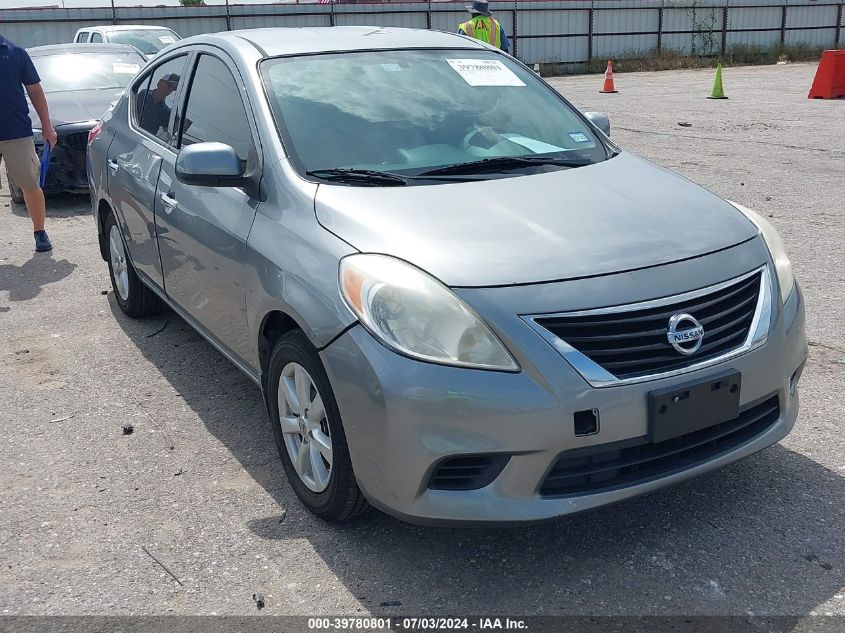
(485, 72)
(122, 68)
(167, 39)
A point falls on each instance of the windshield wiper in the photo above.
(362, 176)
(505, 162)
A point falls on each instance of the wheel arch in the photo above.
(274, 325)
(103, 210)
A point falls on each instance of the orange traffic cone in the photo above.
(608, 79)
(830, 77)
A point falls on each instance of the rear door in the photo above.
(203, 230)
(141, 141)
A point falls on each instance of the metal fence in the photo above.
(550, 31)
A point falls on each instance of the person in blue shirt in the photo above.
(483, 26)
(17, 146)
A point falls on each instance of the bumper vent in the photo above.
(634, 343)
(620, 464)
(467, 472)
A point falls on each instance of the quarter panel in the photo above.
(95, 160)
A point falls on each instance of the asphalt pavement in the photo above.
(191, 513)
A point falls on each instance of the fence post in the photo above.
(428, 16)
(113, 13)
(590, 35)
(725, 29)
(515, 34)
(331, 14)
(694, 23)
(838, 38)
(228, 17)
(660, 28)
(783, 22)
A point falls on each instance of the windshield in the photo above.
(413, 111)
(148, 41)
(87, 71)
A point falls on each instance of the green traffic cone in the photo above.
(718, 91)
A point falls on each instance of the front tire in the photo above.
(309, 432)
(133, 297)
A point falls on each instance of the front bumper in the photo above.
(402, 417)
(67, 171)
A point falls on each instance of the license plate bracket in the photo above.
(693, 406)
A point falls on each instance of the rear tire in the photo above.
(131, 294)
(309, 432)
(15, 192)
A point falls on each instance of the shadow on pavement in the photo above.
(24, 282)
(763, 536)
(59, 205)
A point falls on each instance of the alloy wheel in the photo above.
(119, 265)
(305, 428)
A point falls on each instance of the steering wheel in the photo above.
(467, 141)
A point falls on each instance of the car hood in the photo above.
(73, 106)
(622, 214)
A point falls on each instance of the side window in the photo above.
(153, 103)
(215, 111)
(96, 38)
(82, 36)
(136, 97)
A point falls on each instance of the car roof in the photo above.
(272, 42)
(125, 27)
(63, 49)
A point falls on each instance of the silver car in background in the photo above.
(462, 301)
(149, 40)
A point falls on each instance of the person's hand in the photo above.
(49, 134)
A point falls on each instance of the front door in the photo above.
(202, 231)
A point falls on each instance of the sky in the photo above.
(19, 4)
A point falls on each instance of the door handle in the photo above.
(112, 165)
(168, 201)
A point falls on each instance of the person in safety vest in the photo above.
(483, 26)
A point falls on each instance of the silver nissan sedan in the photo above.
(462, 301)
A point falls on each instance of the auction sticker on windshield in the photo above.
(125, 69)
(485, 72)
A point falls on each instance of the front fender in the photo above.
(292, 267)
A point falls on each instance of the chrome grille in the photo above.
(632, 343)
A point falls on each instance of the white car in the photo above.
(150, 40)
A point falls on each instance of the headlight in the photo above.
(414, 314)
(37, 137)
(783, 266)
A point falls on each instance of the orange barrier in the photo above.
(830, 77)
(608, 79)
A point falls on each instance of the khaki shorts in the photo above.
(22, 162)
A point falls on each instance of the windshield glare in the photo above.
(148, 41)
(87, 71)
(409, 111)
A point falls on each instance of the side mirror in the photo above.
(600, 120)
(209, 165)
